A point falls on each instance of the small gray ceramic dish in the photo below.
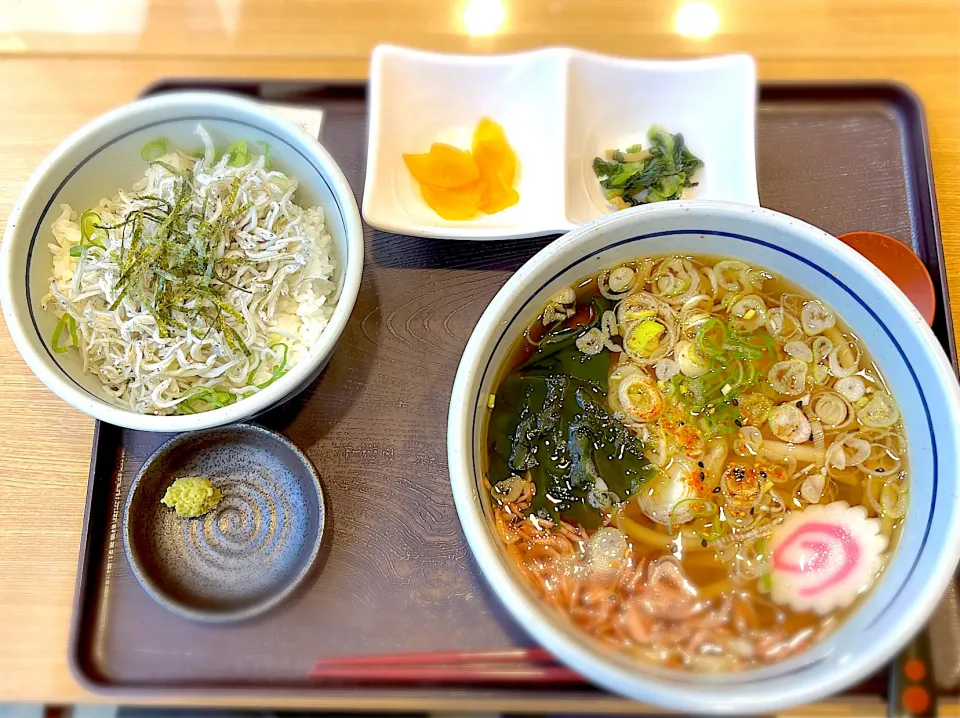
(249, 553)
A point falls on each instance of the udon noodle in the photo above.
(696, 462)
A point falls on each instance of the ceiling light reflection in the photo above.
(696, 19)
(483, 17)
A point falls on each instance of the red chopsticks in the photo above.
(515, 665)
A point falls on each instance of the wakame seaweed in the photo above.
(557, 353)
(550, 419)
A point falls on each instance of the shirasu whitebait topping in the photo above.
(200, 286)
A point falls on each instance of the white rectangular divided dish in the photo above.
(560, 108)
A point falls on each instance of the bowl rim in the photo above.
(256, 608)
(15, 309)
(567, 643)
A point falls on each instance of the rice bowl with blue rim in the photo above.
(104, 157)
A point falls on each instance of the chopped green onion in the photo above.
(266, 153)
(644, 337)
(212, 398)
(92, 233)
(765, 579)
(717, 534)
(730, 299)
(70, 324)
(238, 154)
(253, 371)
(282, 183)
(89, 223)
(168, 167)
(154, 150)
(283, 362)
(711, 337)
(709, 509)
(279, 370)
(732, 355)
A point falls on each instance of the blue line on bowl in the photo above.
(53, 197)
(825, 273)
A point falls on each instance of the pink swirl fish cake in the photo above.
(824, 556)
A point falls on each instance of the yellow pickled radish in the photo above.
(457, 184)
(459, 203)
(444, 166)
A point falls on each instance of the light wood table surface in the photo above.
(62, 63)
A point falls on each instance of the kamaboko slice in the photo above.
(823, 557)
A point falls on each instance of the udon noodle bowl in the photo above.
(696, 462)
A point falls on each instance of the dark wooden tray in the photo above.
(399, 576)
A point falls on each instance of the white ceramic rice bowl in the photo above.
(103, 157)
(920, 377)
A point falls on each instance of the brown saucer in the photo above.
(900, 264)
(246, 555)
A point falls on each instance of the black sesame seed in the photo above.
(763, 474)
(704, 543)
(738, 422)
(716, 490)
(702, 476)
(751, 511)
(879, 471)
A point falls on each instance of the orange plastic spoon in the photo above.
(900, 264)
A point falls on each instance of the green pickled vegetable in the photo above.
(664, 171)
